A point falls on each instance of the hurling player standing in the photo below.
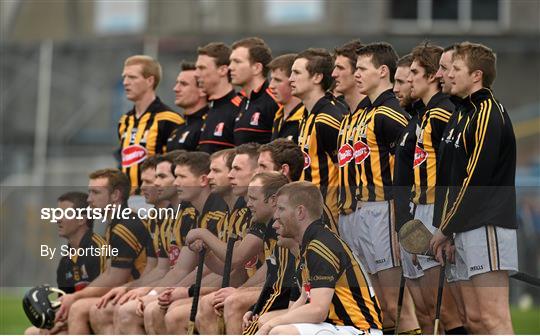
(481, 211)
(248, 69)
(311, 77)
(378, 133)
(144, 130)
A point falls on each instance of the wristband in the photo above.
(191, 291)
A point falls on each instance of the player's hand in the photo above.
(132, 295)
(164, 299)
(248, 318)
(219, 298)
(59, 327)
(450, 251)
(436, 245)
(414, 259)
(140, 308)
(264, 329)
(179, 293)
(62, 314)
(113, 295)
(193, 235)
(196, 246)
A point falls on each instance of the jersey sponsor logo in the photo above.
(345, 154)
(420, 156)
(255, 119)
(81, 285)
(251, 263)
(361, 152)
(131, 155)
(218, 131)
(174, 252)
(307, 288)
(307, 160)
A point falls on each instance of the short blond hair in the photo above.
(150, 67)
(116, 179)
(304, 193)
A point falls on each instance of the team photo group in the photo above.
(348, 191)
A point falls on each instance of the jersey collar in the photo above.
(154, 107)
(311, 232)
(384, 96)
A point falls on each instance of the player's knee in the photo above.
(284, 330)
(205, 309)
(125, 314)
(171, 321)
(79, 308)
(232, 306)
(31, 331)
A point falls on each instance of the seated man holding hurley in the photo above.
(334, 288)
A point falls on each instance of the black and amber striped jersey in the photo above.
(145, 136)
(73, 274)
(319, 130)
(238, 221)
(326, 261)
(428, 137)
(377, 133)
(217, 132)
(213, 216)
(480, 153)
(175, 229)
(187, 135)
(348, 178)
(256, 116)
(130, 236)
(288, 127)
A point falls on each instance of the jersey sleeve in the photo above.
(323, 265)
(96, 265)
(167, 122)
(438, 119)
(486, 132)
(130, 238)
(390, 124)
(257, 229)
(404, 175)
(328, 131)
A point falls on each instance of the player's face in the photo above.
(402, 87)
(241, 173)
(207, 73)
(186, 90)
(343, 75)
(164, 181)
(285, 218)
(148, 188)
(260, 207)
(445, 64)
(280, 87)
(135, 85)
(188, 185)
(367, 76)
(420, 83)
(300, 80)
(460, 78)
(68, 227)
(99, 194)
(240, 67)
(218, 178)
(265, 163)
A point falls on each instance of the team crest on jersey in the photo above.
(420, 156)
(255, 119)
(218, 131)
(307, 160)
(345, 154)
(456, 144)
(361, 152)
(184, 136)
(131, 155)
(174, 252)
(251, 263)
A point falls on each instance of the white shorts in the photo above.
(424, 212)
(485, 249)
(370, 232)
(410, 270)
(325, 328)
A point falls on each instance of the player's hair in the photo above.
(259, 51)
(251, 149)
(319, 61)
(227, 154)
(187, 66)
(150, 163)
(170, 157)
(348, 50)
(450, 47)
(284, 151)
(150, 67)
(304, 193)
(405, 61)
(79, 201)
(381, 53)
(197, 162)
(283, 63)
(219, 51)
(116, 181)
(478, 57)
(427, 55)
(271, 182)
